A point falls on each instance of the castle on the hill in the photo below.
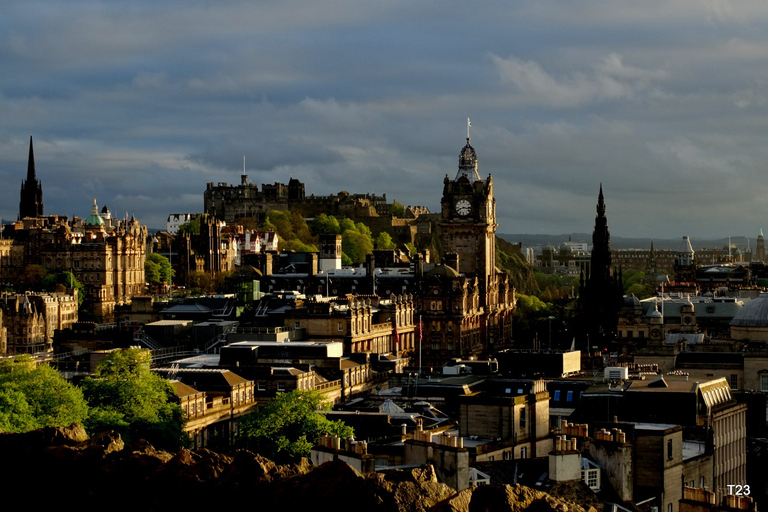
(234, 204)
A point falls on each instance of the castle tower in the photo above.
(31, 203)
(760, 250)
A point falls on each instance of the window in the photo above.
(557, 395)
(524, 452)
(669, 451)
(734, 381)
(522, 417)
(592, 478)
(281, 386)
(569, 396)
(764, 383)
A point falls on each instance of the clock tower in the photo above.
(468, 223)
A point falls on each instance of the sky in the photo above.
(138, 104)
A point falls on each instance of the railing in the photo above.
(141, 337)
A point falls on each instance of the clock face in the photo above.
(655, 333)
(463, 207)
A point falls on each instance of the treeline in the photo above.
(357, 240)
(123, 395)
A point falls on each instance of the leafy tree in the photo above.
(347, 225)
(192, 227)
(363, 229)
(126, 396)
(152, 272)
(291, 229)
(35, 396)
(397, 209)
(31, 278)
(384, 241)
(200, 281)
(356, 245)
(325, 225)
(160, 268)
(288, 426)
(61, 281)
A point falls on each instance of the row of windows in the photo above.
(568, 395)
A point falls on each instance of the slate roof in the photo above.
(754, 314)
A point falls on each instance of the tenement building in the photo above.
(106, 255)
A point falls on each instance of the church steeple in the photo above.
(31, 203)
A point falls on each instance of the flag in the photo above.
(420, 336)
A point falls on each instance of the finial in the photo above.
(469, 125)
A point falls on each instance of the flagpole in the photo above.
(420, 338)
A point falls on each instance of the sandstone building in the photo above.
(106, 255)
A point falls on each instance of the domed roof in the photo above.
(443, 270)
(468, 163)
(94, 219)
(631, 301)
(754, 313)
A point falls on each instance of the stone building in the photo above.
(466, 303)
(235, 203)
(31, 320)
(370, 325)
(517, 423)
(106, 255)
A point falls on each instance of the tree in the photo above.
(397, 209)
(31, 278)
(157, 269)
(124, 395)
(287, 427)
(35, 396)
(356, 245)
(152, 272)
(192, 227)
(61, 282)
(384, 241)
(325, 225)
(200, 281)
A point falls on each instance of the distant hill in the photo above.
(617, 242)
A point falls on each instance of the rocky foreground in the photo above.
(63, 467)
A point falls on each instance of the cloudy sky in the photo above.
(140, 103)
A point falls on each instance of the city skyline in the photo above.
(140, 104)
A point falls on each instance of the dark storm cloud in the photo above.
(139, 104)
